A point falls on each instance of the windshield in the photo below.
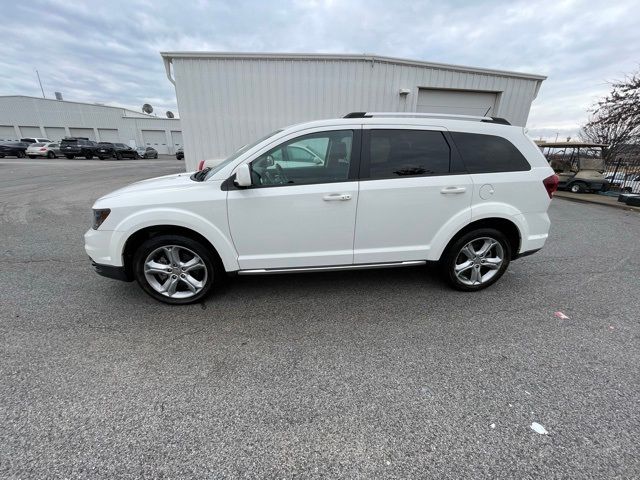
(237, 153)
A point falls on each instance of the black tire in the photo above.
(100, 157)
(88, 157)
(156, 157)
(578, 187)
(117, 156)
(214, 270)
(50, 154)
(453, 256)
(21, 154)
(70, 157)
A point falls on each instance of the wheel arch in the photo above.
(506, 226)
(138, 237)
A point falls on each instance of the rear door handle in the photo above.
(449, 190)
(337, 197)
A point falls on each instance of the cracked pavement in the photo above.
(368, 374)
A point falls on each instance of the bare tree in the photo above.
(615, 119)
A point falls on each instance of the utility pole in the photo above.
(42, 89)
(557, 133)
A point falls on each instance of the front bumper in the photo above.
(109, 271)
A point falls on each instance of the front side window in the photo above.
(489, 153)
(401, 153)
(323, 157)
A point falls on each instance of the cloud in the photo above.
(109, 51)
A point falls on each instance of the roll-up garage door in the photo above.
(30, 132)
(83, 132)
(460, 102)
(176, 139)
(156, 139)
(109, 135)
(55, 134)
(7, 132)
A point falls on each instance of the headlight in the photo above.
(99, 216)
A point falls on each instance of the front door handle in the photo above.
(342, 197)
(449, 190)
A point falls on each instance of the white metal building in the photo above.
(22, 116)
(229, 99)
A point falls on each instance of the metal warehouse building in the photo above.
(229, 99)
(54, 119)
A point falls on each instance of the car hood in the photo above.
(164, 184)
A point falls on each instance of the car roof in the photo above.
(461, 123)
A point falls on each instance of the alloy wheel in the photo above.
(175, 271)
(478, 261)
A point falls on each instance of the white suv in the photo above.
(368, 190)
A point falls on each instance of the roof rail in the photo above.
(427, 115)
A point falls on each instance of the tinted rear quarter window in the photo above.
(400, 153)
(489, 153)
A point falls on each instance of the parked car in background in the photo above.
(180, 154)
(115, 150)
(48, 149)
(146, 152)
(72, 147)
(35, 140)
(470, 193)
(17, 149)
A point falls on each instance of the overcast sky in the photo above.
(108, 51)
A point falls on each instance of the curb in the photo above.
(618, 205)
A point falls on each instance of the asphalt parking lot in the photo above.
(384, 374)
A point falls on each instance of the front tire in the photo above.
(50, 154)
(176, 270)
(21, 155)
(476, 260)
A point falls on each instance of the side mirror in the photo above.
(243, 176)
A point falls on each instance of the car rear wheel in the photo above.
(175, 269)
(476, 260)
(50, 154)
(20, 155)
(578, 187)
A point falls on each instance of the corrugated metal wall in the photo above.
(227, 102)
(54, 115)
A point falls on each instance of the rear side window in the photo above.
(401, 153)
(489, 153)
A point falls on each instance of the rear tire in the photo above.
(51, 155)
(178, 286)
(476, 260)
(21, 155)
(578, 187)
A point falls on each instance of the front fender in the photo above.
(180, 218)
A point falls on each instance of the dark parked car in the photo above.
(180, 154)
(17, 149)
(116, 150)
(72, 147)
(148, 152)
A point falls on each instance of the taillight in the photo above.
(551, 184)
(200, 165)
(43, 149)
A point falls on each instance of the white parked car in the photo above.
(49, 150)
(470, 193)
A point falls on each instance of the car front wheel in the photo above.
(477, 259)
(175, 269)
(578, 187)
